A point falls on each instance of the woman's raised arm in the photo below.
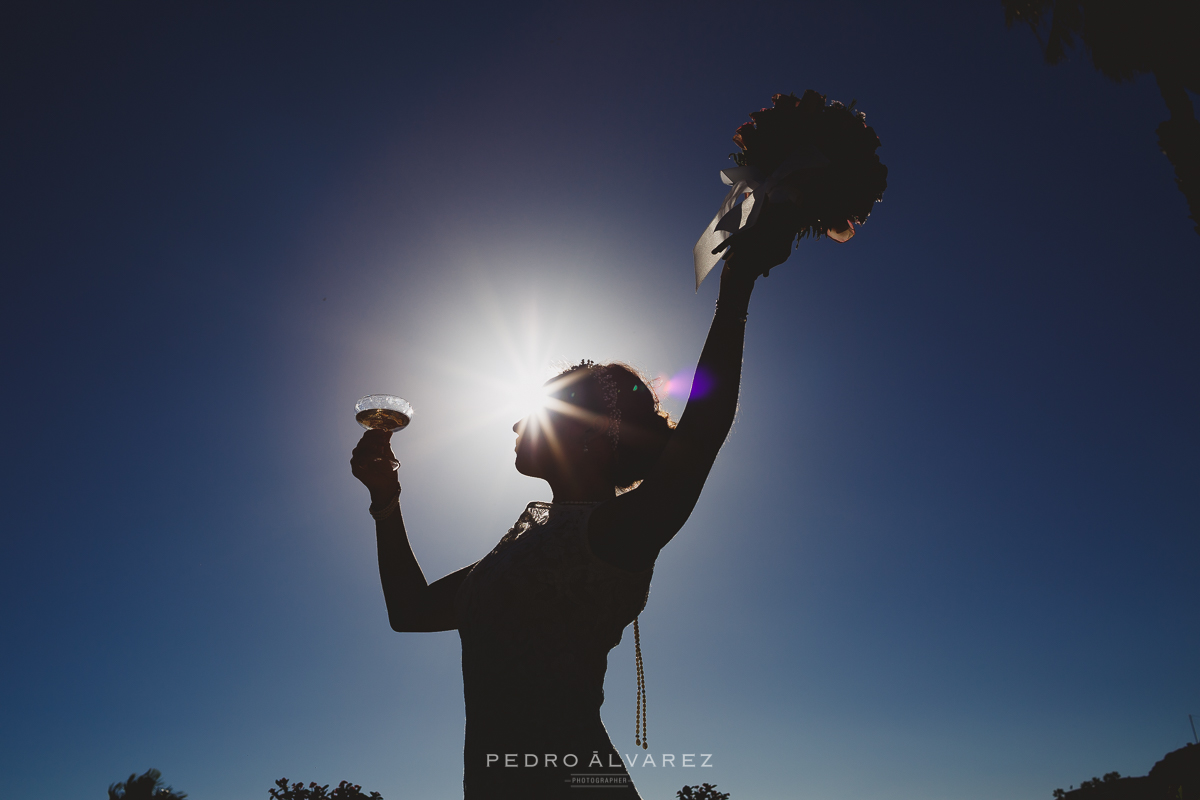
(630, 530)
(413, 605)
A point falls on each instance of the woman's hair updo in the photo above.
(642, 428)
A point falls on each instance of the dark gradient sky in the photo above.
(949, 550)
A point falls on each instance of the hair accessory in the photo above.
(608, 393)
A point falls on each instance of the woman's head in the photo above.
(601, 418)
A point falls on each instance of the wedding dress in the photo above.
(537, 617)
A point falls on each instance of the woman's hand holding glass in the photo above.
(373, 461)
(375, 465)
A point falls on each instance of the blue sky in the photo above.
(949, 549)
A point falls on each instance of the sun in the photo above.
(493, 369)
(527, 398)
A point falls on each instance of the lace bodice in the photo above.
(537, 617)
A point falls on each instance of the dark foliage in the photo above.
(298, 791)
(147, 786)
(821, 200)
(1124, 37)
(1176, 777)
(705, 791)
(1127, 38)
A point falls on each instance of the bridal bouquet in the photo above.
(810, 164)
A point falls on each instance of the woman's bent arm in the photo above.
(412, 604)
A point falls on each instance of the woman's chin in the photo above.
(521, 462)
(530, 467)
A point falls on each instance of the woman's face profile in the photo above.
(530, 445)
(551, 436)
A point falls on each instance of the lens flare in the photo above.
(684, 384)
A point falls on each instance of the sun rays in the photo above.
(493, 367)
(550, 399)
(494, 361)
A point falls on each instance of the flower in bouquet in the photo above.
(817, 159)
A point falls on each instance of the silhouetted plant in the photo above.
(1126, 38)
(707, 791)
(147, 786)
(1095, 783)
(298, 791)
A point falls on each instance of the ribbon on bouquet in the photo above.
(748, 183)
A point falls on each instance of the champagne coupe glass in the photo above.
(384, 412)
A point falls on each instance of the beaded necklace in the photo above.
(639, 703)
(609, 392)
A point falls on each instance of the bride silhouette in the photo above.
(539, 613)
